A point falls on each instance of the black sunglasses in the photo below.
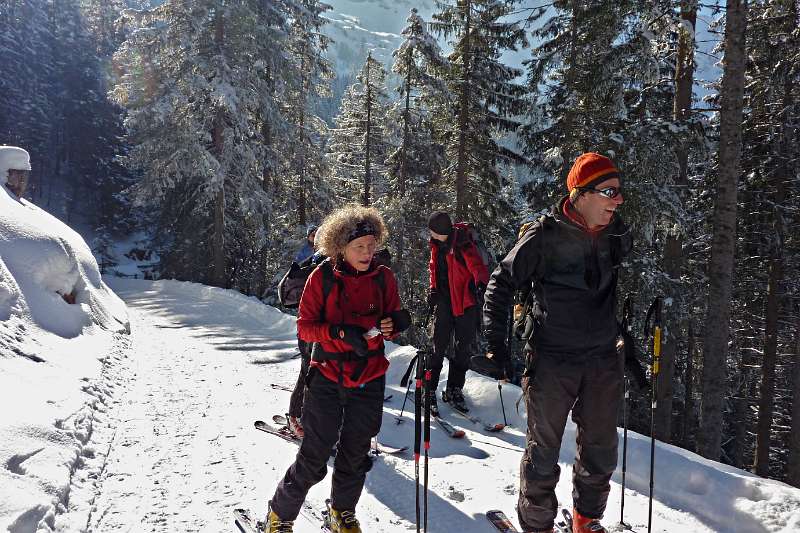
(608, 192)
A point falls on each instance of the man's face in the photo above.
(597, 208)
(18, 181)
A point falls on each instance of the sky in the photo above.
(152, 430)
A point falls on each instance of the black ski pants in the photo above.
(296, 399)
(592, 388)
(445, 326)
(352, 419)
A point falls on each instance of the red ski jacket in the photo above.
(464, 265)
(356, 298)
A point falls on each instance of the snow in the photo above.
(12, 157)
(111, 425)
(167, 443)
(55, 362)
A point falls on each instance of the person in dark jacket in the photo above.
(308, 247)
(343, 401)
(457, 276)
(570, 260)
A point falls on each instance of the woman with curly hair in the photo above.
(350, 304)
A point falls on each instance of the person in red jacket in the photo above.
(343, 402)
(458, 275)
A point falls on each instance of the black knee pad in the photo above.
(543, 460)
(597, 459)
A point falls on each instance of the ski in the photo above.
(566, 524)
(492, 428)
(282, 432)
(501, 522)
(243, 521)
(450, 429)
(377, 447)
(387, 398)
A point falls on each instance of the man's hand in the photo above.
(433, 298)
(633, 367)
(352, 335)
(495, 364)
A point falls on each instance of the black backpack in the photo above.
(290, 288)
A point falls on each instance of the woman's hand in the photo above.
(387, 326)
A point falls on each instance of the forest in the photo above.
(205, 127)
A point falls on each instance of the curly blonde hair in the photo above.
(332, 235)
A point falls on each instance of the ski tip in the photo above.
(459, 434)
(495, 428)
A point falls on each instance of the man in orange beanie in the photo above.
(568, 262)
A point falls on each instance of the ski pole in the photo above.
(624, 452)
(502, 405)
(427, 433)
(655, 312)
(405, 381)
(510, 339)
(417, 431)
(627, 312)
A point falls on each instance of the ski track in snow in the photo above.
(185, 454)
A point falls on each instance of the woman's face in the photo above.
(358, 252)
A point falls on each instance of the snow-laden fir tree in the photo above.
(486, 101)
(766, 249)
(415, 164)
(359, 144)
(305, 164)
(197, 76)
(27, 83)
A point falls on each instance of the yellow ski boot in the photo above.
(342, 521)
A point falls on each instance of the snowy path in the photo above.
(182, 456)
(185, 454)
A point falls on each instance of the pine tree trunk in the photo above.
(218, 238)
(673, 250)
(300, 159)
(793, 461)
(687, 420)
(266, 183)
(720, 268)
(463, 118)
(367, 176)
(767, 393)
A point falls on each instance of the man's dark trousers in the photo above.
(359, 416)
(594, 386)
(445, 326)
(296, 399)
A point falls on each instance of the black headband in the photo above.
(362, 229)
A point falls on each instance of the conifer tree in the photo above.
(485, 101)
(415, 165)
(196, 77)
(358, 147)
(720, 268)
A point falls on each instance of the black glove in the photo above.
(481, 288)
(433, 298)
(632, 364)
(400, 318)
(352, 335)
(495, 364)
